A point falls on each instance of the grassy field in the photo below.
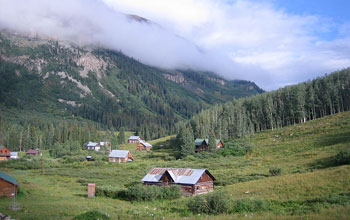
(302, 152)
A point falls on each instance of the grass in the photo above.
(298, 150)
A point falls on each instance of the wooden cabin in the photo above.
(32, 152)
(8, 185)
(144, 146)
(120, 156)
(93, 146)
(134, 139)
(202, 144)
(5, 153)
(190, 181)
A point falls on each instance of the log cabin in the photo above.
(8, 185)
(202, 144)
(134, 139)
(32, 152)
(5, 153)
(144, 146)
(190, 181)
(120, 156)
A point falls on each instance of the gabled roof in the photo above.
(146, 144)
(119, 153)
(178, 175)
(14, 154)
(8, 178)
(134, 137)
(32, 151)
(92, 144)
(199, 141)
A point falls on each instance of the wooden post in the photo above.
(91, 190)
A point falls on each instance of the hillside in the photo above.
(43, 75)
(310, 186)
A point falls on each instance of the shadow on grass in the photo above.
(328, 140)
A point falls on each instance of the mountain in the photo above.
(45, 75)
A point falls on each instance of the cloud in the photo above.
(236, 39)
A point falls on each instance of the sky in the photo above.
(271, 42)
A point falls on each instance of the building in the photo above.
(190, 181)
(144, 146)
(202, 144)
(32, 152)
(134, 139)
(8, 185)
(120, 156)
(14, 155)
(4, 153)
(93, 146)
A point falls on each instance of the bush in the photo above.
(343, 157)
(275, 171)
(237, 147)
(140, 192)
(249, 205)
(213, 203)
(92, 215)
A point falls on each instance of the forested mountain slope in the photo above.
(290, 105)
(59, 78)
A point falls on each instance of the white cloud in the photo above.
(237, 39)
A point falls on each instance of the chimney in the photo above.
(91, 190)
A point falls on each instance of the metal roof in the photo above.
(119, 153)
(179, 175)
(8, 178)
(92, 144)
(14, 154)
(198, 141)
(134, 137)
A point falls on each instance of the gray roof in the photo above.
(199, 141)
(179, 175)
(8, 178)
(92, 144)
(134, 137)
(146, 144)
(14, 154)
(119, 153)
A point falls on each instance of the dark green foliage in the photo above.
(275, 171)
(140, 192)
(236, 147)
(92, 215)
(212, 203)
(287, 106)
(343, 157)
(249, 205)
(211, 143)
(185, 142)
(121, 136)
(68, 148)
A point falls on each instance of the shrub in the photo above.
(249, 205)
(213, 203)
(343, 157)
(275, 171)
(92, 215)
(237, 147)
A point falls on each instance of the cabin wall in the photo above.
(6, 188)
(203, 187)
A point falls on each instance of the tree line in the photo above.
(271, 110)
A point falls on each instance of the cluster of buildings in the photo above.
(190, 181)
(6, 154)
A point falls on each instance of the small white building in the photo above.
(93, 146)
(14, 155)
(134, 139)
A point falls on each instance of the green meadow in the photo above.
(310, 185)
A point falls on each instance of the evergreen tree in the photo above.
(186, 142)
(121, 136)
(114, 142)
(212, 142)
